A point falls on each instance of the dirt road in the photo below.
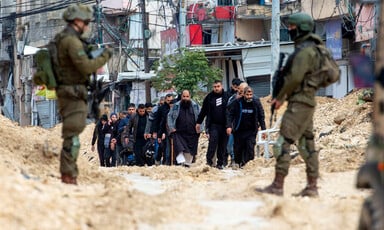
(32, 196)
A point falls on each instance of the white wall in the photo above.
(138, 92)
(117, 4)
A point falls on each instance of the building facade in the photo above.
(235, 34)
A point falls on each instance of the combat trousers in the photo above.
(72, 103)
(297, 125)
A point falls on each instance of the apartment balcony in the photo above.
(200, 12)
(257, 11)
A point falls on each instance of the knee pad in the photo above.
(75, 148)
(306, 147)
(278, 147)
(302, 147)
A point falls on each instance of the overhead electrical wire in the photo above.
(43, 9)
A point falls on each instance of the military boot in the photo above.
(311, 189)
(276, 187)
(67, 179)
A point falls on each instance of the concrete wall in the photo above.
(323, 9)
(251, 30)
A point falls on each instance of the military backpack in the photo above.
(47, 65)
(329, 71)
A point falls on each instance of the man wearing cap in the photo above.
(297, 122)
(73, 76)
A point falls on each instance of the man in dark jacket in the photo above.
(244, 118)
(160, 127)
(236, 83)
(98, 134)
(214, 109)
(136, 127)
(111, 133)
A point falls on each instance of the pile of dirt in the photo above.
(342, 128)
(34, 198)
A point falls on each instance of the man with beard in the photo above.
(214, 109)
(73, 75)
(244, 118)
(182, 125)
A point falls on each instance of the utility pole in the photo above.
(275, 38)
(19, 113)
(182, 23)
(98, 23)
(145, 35)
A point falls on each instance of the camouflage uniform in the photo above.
(75, 68)
(297, 121)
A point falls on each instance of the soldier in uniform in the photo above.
(73, 73)
(297, 122)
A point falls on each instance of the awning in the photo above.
(137, 75)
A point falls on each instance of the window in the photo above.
(224, 2)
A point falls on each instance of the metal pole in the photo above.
(145, 34)
(275, 38)
(98, 22)
(182, 23)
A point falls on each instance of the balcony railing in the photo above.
(257, 11)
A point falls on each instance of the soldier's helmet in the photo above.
(303, 21)
(78, 11)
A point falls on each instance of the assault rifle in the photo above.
(277, 83)
(96, 90)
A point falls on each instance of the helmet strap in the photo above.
(77, 27)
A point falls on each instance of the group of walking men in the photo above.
(232, 120)
(173, 127)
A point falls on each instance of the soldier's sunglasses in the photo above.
(87, 22)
